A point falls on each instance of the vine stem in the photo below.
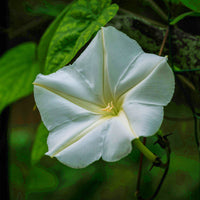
(168, 151)
(144, 150)
(140, 170)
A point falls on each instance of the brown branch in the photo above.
(163, 42)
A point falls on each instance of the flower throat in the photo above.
(110, 109)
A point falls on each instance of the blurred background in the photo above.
(49, 179)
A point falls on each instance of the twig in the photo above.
(186, 81)
(141, 17)
(163, 42)
(157, 9)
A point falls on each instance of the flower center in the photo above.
(110, 108)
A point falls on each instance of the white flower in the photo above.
(112, 94)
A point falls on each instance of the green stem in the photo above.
(186, 70)
(147, 153)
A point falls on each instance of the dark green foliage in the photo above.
(18, 69)
(40, 180)
(40, 144)
(47, 36)
(192, 4)
(182, 16)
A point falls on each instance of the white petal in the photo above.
(56, 110)
(105, 59)
(121, 51)
(137, 71)
(157, 88)
(118, 139)
(95, 73)
(68, 133)
(90, 65)
(69, 81)
(84, 150)
(144, 119)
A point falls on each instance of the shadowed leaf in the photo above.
(40, 144)
(192, 4)
(41, 180)
(18, 69)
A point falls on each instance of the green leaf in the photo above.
(47, 36)
(18, 69)
(41, 180)
(40, 144)
(183, 163)
(15, 176)
(192, 4)
(180, 17)
(83, 19)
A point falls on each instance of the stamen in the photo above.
(109, 107)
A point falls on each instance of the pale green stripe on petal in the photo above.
(82, 103)
(125, 121)
(106, 84)
(78, 137)
(142, 68)
(155, 89)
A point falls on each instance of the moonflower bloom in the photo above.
(112, 94)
